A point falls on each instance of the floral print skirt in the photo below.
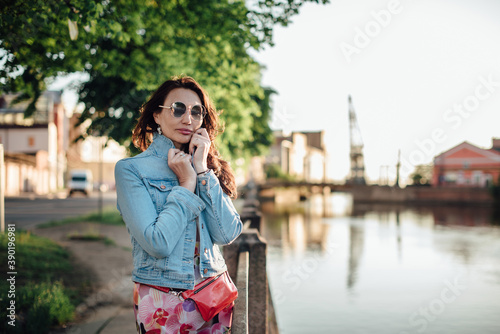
(158, 312)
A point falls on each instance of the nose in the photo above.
(186, 118)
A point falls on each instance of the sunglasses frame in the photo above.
(190, 108)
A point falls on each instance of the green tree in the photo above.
(422, 175)
(128, 48)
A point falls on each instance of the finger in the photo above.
(184, 159)
(201, 137)
(171, 153)
(179, 157)
(203, 133)
(191, 146)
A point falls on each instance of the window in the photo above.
(477, 178)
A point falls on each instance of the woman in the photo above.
(175, 200)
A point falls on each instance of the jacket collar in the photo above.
(160, 145)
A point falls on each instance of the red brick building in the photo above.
(467, 165)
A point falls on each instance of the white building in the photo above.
(300, 154)
(34, 147)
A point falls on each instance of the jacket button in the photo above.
(203, 182)
(162, 186)
(205, 271)
(206, 251)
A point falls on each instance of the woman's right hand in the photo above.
(180, 163)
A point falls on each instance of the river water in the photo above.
(335, 267)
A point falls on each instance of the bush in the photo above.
(273, 171)
(47, 305)
(42, 299)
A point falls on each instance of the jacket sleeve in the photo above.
(223, 222)
(156, 233)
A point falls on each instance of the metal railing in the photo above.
(246, 261)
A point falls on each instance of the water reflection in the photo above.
(296, 228)
(441, 215)
(382, 269)
(356, 241)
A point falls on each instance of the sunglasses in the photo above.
(178, 109)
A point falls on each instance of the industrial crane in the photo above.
(357, 174)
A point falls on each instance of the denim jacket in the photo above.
(162, 218)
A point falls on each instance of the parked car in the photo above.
(80, 180)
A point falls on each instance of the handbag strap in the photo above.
(207, 284)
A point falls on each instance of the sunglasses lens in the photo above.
(178, 109)
(197, 112)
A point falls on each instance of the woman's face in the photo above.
(181, 129)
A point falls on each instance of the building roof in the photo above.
(12, 115)
(314, 138)
(467, 153)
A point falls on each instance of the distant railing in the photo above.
(246, 261)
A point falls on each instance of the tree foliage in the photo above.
(129, 47)
(422, 175)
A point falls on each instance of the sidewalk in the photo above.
(109, 309)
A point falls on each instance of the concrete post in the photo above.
(253, 215)
(240, 315)
(258, 285)
(250, 241)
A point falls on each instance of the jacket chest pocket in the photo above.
(159, 191)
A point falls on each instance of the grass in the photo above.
(47, 288)
(91, 235)
(108, 217)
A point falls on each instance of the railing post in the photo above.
(258, 286)
(240, 314)
(253, 215)
(250, 241)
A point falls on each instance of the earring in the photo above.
(159, 130)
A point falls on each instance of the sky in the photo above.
(424, 76)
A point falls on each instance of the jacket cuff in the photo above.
(207, 181)
(191, 200)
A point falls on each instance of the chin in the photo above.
(185, 140)
(182, 140)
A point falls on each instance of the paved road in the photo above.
(28, 212)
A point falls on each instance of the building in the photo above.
(39, 151)
(34, 147)
(300, 154)
(467, 165)
(97, 154)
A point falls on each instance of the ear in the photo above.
(155, 116)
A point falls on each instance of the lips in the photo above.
(185, 131)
